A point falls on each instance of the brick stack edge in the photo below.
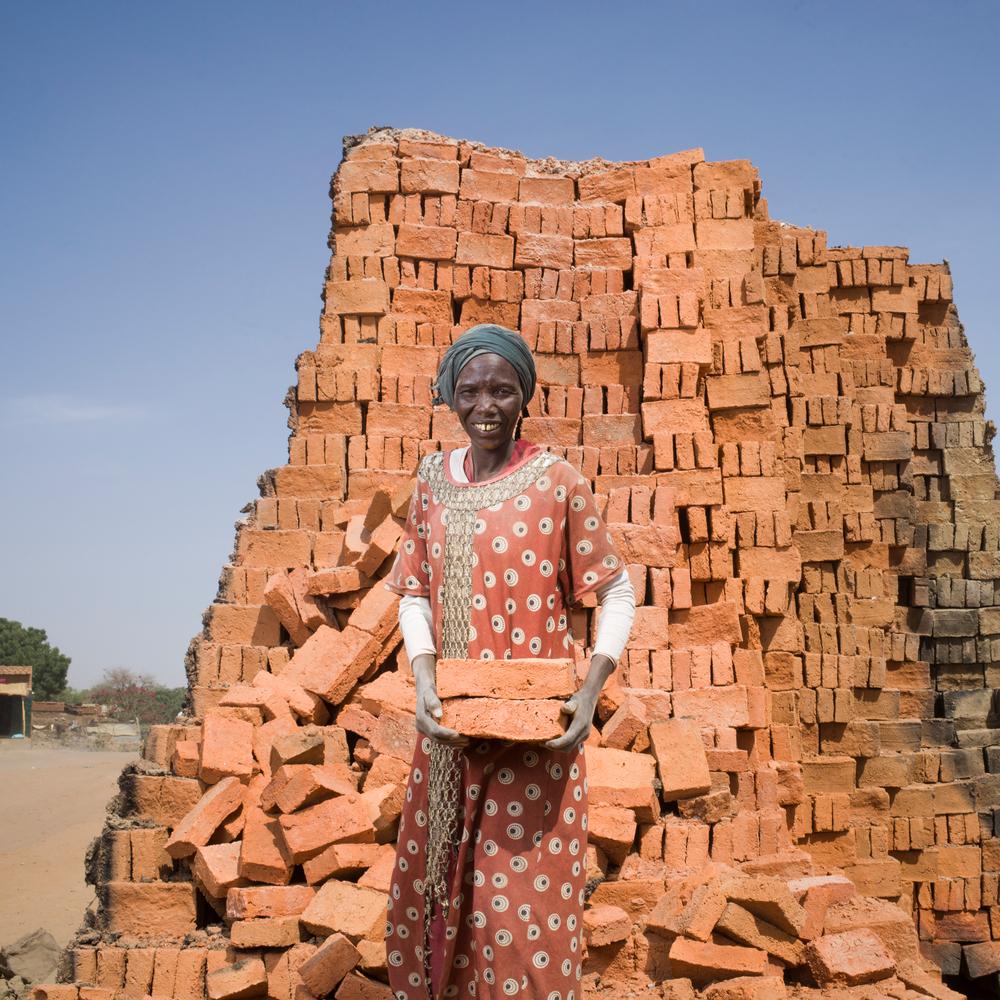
(795, 776)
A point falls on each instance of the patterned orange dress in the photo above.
(500, 561)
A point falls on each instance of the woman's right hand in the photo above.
(429, 705)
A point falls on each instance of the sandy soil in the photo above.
(53, 803)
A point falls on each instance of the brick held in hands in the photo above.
(524, 679)
(680, 759)
(521, 721)
(851, 958)
(247, 978)
(334, 661)
(197, 827)
(226, 748)
(348, 909)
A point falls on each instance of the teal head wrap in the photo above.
(487, 338)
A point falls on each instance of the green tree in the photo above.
(29, 647)
(130, 695)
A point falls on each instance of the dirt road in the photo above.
(51, 806)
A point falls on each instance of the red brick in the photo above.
(481, 249)
(851, 958)
(429, 176)
(536, 250)
(246, 978)
(149, 909)
(309, 831)
(680, 759)
(702, 962)
(139, 972)
(263, 857)
(258, 901)
(348, 909)
(816, 894)
(767, 987)
(483, 185)
(339, 860)
(280, 595)
(747, 928)
(268, 932)
(504, 719)
(226, 749)
(334, 958)
(519, 679)
(546, 190)
(334, 661)
(428, 242)
(628, 722)
(377, 176)
(603, 252)
(338, 580)
(613, 829)
(620, 778)
(216, 868)
(306, 705)
(604, 925)
(197, 828)
(377, 613)
(356, 987)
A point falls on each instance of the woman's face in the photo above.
(488, 401)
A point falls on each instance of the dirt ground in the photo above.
(53, 803)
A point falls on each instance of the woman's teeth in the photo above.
(485, 428)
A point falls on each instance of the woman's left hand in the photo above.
(580, 709)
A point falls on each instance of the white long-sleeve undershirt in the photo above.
(616, 597)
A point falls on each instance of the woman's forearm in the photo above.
(601, 668)
(424, 672)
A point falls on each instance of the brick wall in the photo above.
(789, 444)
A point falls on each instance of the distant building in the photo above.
(15, 702)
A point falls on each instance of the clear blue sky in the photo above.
(164, 218)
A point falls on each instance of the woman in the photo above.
(487, 893)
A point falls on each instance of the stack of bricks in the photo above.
(800, 747)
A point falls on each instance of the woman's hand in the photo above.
(580, 708)
(428, 714)
(428, 707)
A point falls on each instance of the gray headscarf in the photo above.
(487, 338)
